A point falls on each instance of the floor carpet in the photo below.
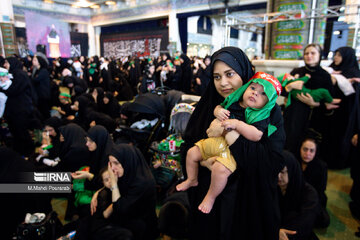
(342, 224)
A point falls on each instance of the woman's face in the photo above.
(308, 151)
(226, 80)
(61, 138)
(311, 56)
(50, 130)
(6, 65)
(116, 167)
(106, 100)
(35, 62)
(283, 178)
(91, 145)
(337, 58)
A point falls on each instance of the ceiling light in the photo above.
(83, 3)
(75, 6)
(48, 1)
(110, 2)
(95, 6)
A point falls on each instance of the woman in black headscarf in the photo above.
(298, 201)
(344, 121)
(51, 137)
(19, 107)
(111, 106)
(99, 143)
(133, 192)
(103, 145)
(247, 208)
(304, 113)
(315, 173)
(41, 83)
(98, 95)
(73, 151)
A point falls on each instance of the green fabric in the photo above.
(3, 74)
(65, 95)
(92, 68)
(253, 115)
(82, 196)
(317, 94)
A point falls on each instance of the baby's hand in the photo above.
(221, 113)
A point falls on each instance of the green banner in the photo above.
(291, 7)
(293, 25)
(288, 39)
(287, 54)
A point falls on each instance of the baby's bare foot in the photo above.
(206, 205)
(186, 185)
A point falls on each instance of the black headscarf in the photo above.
(74, 136)
(15, 64)
(349, 66)
(201, 119)
(137, 173)
(100, 97)
(55, 123)
(104, 144)
(294, 190)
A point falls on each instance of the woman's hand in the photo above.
(113, 178)
(354, 140)
(354, 79)
(82, 175)
(283, 234)
(93, 203)
(307, 99)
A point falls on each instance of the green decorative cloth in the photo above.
(82, 196)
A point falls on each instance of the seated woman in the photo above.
(133, 196)
(298, 201)
(315, 173)
(50, 148)
(73, 151)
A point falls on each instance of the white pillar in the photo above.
(92, 44)
(97, 40)
(174, 35)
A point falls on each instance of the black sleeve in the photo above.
(262, 125)
(103, 202)
(302, 221)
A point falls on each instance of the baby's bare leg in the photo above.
(193, 157)
(219, 177)
(231, 137)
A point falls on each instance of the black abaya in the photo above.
(299, 117)
(299, 205)
(246, 209)
(135, 209)
(343, 122)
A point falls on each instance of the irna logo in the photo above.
(52, 177)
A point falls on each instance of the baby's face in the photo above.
(254, 96)
(106, 179)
